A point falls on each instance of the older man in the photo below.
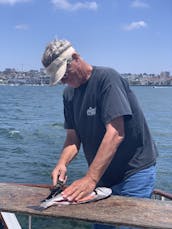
(101, 113)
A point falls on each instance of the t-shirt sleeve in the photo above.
(68, 113)
(113, 99)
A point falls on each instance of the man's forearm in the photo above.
(110, 143)
(68, 153)
(70, 148)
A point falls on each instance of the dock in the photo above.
(115, 210)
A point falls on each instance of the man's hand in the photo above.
(79, 189)
(59, 173)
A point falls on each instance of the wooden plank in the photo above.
(115, 210)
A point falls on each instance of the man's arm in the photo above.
(70, 149)
(112, 139)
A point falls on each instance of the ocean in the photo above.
(32, 135)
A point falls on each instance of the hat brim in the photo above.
(58, 75)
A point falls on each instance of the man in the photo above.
(101, 113)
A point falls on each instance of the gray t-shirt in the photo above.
(87, 109)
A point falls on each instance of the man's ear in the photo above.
(75, 56)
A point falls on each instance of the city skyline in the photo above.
(36, 77)
(128, 35)
(42, 69)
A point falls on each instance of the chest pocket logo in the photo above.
(91, 111)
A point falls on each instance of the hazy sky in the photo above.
(129, 35)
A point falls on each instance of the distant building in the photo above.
(9, 71)
(165, 74)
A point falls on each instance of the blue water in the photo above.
(32, 134)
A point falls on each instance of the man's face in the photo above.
(74, 75)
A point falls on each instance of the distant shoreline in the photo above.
(43, 85)
(36, 78)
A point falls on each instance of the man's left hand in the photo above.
(79, 189)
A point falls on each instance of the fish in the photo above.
(56, 198)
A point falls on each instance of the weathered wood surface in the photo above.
(115, 210)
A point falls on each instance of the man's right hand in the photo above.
(59, 173)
